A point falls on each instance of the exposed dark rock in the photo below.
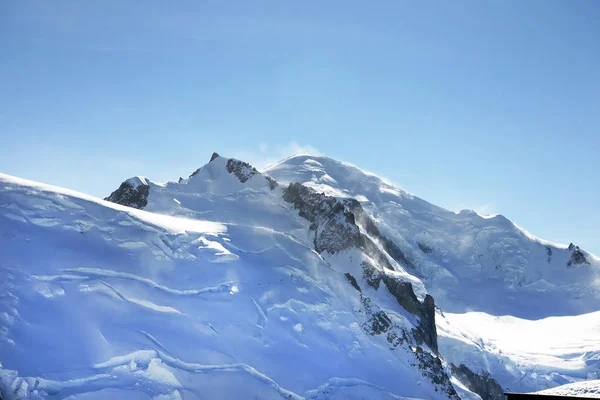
(377, 321)
(371, 275)
(272, 182)
(427, 325)
(483, 384)
(380, 322)
(335, 223)
(242, 170)
(180, 180)
(352, 281)
(431, 367)
(131, 196)
(214, 155)
(334, 226)
(424, 248)
(405, 295)
(577, 256)
(549, 253)
(403, 292)
(195, 172)
(395, 340)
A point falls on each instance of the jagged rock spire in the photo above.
(214, 155)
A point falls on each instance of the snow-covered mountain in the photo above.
(311, 279)
(467, 261)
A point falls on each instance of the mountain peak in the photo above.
(132, 193)
(222, 174)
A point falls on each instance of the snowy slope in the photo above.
(523, 355)
(466, 261)
(486, 264)
(230, 282)
(579, 389)
(101, 300)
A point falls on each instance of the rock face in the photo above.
(336, 228)
(577, 256)
(352, 281)
(272, 182)
(482, 384)
(432, 368)
(405, 295)
(379, 323)
(131, 194)
(427, 326)
(242, 170)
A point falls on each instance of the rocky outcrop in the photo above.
(195, 172)
(377, 322)
(483, 384)
(371, 275)
(335, 223)
(431, 367)
(577, 256)
(242, 170)
(403, 292)
(352, 281)
(272, 182)
(427, 327)
(334, 226)
(405, 296)
(131, 194)
(549, 254)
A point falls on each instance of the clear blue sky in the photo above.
(489, 105)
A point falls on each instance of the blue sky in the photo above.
(488, 105)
